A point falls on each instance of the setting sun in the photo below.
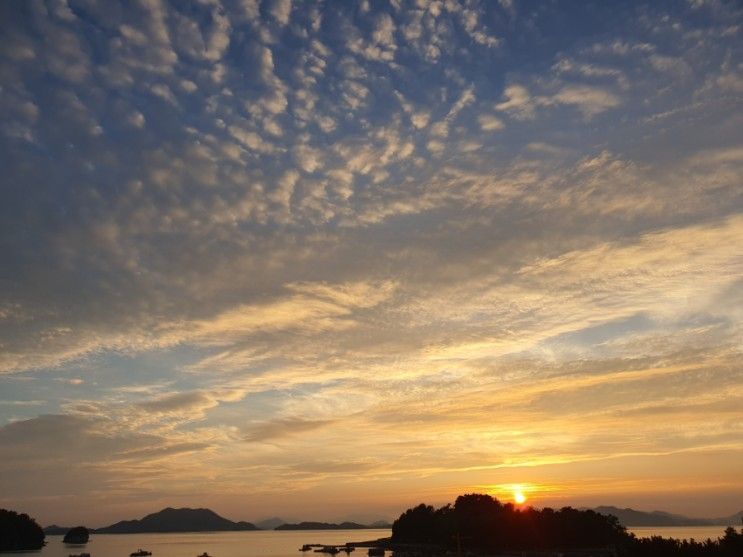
(519, 497)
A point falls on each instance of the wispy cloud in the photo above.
(456, 240)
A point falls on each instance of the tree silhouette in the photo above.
(19, 532)
(482, 524)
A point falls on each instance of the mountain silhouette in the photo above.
(632, 517)
(177, 520)
(322, 526)
(55, 530)
(270, 523)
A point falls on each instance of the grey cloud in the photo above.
(179, 402)
(281, 428)
(52, 442)
(70, 458)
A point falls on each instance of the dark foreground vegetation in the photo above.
(19, 532)
(729, 545)
(481, 524)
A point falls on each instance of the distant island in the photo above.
(177, 520)
(329, 526)
(19, 532)
(205, 520)
(271, 523)
(54, 530)
(632, 517)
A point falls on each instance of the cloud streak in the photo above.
(456, 241)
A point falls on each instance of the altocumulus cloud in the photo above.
(262, 230)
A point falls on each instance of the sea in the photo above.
(268, 543)
(259, 543)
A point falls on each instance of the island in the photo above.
(55, 530)
(323, 526)
(177, 520)
(19, 532)
(78, 535)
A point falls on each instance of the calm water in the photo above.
(265, 543)
(269, 543)
(699, 533)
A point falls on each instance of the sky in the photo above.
(329, 260)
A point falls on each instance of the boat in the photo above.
(140, 553)
(306, 547)
(328, 549)
(80, 555)
(205, 554)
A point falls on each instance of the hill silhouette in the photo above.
(177, 520)
(270, 523)
(632, 517)
(54, 530)
(322, 526)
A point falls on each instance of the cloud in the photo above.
(465, 99)
(283, 193)
(250, 9)
(195, 401)
(381, 47)
(251, 139)
(488, 122)
(308, 158)
(42, 448)
(470, 19)
(589, 70)
(305, 242)
(420, 119)
(281, 11)
(279, 429)
(670, 64)
(136, 119)
(518, 103)
(589, 100)
(164, 92)
(309, 308)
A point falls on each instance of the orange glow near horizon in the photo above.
(519, 493)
